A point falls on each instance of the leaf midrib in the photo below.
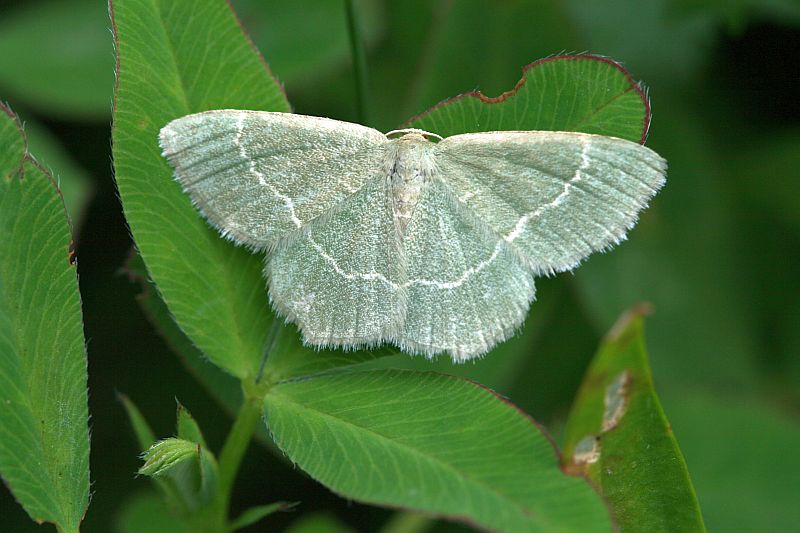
(596, 110)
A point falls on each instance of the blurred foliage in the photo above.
(54, 56)
(716, 254)
(741, 454)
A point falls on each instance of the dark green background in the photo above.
(718, 254)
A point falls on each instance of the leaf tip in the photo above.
(12, 165)
(624, 322)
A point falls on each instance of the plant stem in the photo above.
(359, 62)
(233, 451)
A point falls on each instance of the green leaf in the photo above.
(618, 434)
(584, 93)
(433, 443)
(177, 58)
(186, 467)
(44, 436)
(254, 514)
(188, 428)
(144, 434)
(54, 55)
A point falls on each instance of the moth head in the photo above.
(413, 134)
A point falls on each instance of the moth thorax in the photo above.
(411, 168)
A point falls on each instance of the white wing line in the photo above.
(376, 276)
(237, 140)
(464, 277)
(523, 221)
(369, 276)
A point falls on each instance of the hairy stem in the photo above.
(232, 453)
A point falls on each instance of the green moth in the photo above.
(428, 243)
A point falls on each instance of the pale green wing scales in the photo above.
(555, 197)
(258, 175)
(466, 289)
(340, 279)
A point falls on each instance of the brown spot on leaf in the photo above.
(587, 451)
(616, 400)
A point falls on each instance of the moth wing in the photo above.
(555, 197)
(466, 289)
(257, 176)
(339, 279)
